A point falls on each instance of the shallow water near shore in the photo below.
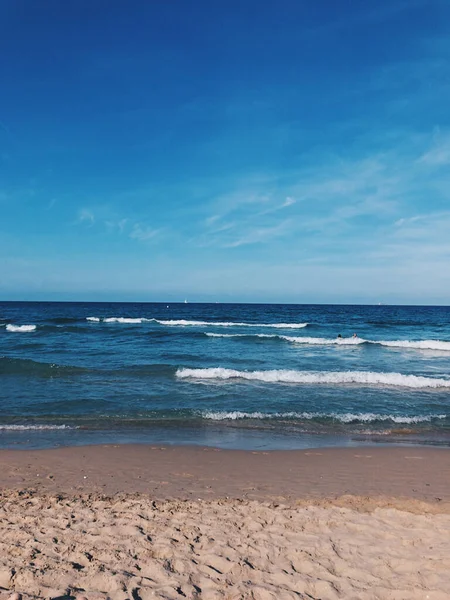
(231, 376)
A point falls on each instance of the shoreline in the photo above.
(216, 435)
(196, 472)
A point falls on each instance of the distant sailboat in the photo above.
(185, 301)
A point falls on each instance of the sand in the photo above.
(190, 472)
(98, 522)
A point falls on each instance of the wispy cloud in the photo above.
(427, 226)
(341, 203)
(117, 225)
(439, 154)
(86, 215)
(251, 191)
(105, 219)
(260, 235)
(143, 233)
(288, 202)
(51, 204)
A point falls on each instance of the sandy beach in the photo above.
(170, 522)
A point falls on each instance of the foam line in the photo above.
(20, 328)
(316, 377)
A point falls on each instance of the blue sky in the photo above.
(290, 151)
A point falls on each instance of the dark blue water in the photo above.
(248, 376)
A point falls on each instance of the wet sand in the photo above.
(166, 472)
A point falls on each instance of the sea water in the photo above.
(228, 375)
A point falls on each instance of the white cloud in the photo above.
(430, 227)
(118, 225)
(371, 202)
(259, 235)
(288, 202)
(143, 232)
(212, 219)
(253, 191)
(439, 154)
(85, 215)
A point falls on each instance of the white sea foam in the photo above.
(350, 341)
(246, 335)
(128, 320)
(186, 323)
(34, 427)
(416, 344)
(124, 320)
(20, 328)
(182, 322)
(409, 344)
(343, 418)
(316, 377)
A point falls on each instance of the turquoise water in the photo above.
(240, 376)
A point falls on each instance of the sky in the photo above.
(225, 150)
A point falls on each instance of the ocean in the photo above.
(249, 376)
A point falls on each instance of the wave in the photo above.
(316, 377)
(351, 341)
(413, 344)
(342, 418)
(64, 320)
(233, 324)
(123, 320)
(246, 335)
(26, 366)
(417, 345)
(34, 427)
(185, 323)
(20, 328)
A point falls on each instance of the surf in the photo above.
(368, 378)
(20, 328)
(345, 418)
(35, 427)
(192, 323)
(349, 341)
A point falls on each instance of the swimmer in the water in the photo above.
(355, 335)
(339, 336)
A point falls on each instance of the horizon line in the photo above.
(168, 302)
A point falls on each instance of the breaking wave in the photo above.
(247, 335)
(185, 323)
(417, 345)
(314, 377)
(233, 324)
(20, 328)
(412, 344)
(124, 320)
(309, 416)
(34, 427)
(351, 341)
